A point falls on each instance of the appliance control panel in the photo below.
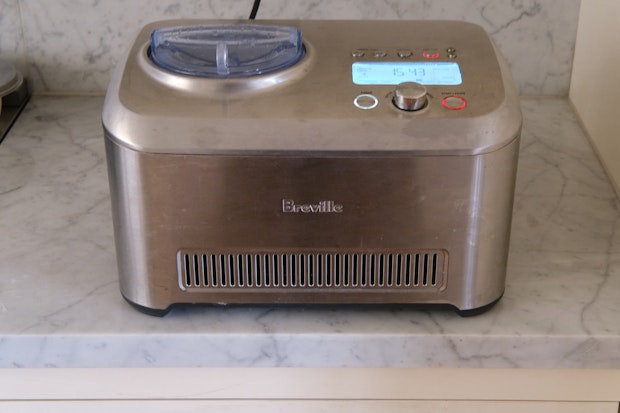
(410, 72)
(417, 79)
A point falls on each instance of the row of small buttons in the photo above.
(404, 53)
(368, 101)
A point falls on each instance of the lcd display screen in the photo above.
(393, 73)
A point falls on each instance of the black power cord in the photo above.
(254, 9)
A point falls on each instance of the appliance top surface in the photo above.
(339, 97)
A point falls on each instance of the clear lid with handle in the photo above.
(226, 51)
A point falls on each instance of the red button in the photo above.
(430, 54)
(454, 102)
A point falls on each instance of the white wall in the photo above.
(595, 82)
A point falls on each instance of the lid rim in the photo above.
(226, 51)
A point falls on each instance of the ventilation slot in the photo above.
(315, 269)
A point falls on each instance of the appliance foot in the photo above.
(147, 310)
(478, 310)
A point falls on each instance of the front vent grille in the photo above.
(420, 269)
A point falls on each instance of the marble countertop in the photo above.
(60, 303)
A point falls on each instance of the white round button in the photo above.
(366, 101)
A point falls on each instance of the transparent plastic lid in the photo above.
(226, 51)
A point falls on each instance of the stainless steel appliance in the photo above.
(312, 162)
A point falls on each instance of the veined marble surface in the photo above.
(60, 303)
(72, 45)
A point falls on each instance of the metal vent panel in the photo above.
(420, 269)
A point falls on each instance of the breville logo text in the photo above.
(289, 206)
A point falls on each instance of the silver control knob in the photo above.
(410, 96)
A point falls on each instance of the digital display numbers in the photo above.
(393, 73)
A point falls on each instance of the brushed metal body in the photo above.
(204, 165)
